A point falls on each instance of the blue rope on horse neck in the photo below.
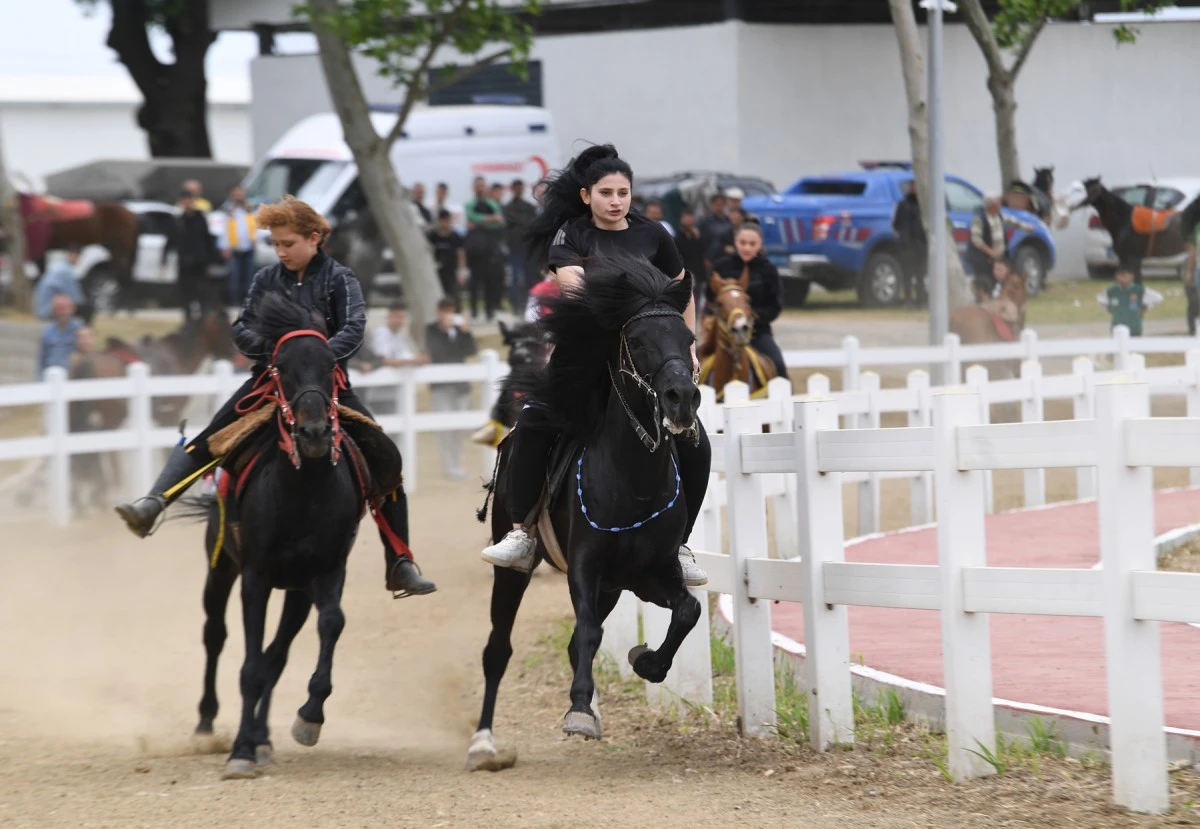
(637, 525)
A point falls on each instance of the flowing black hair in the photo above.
(584, 324)
(561, 201)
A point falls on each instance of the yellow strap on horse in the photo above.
(216, 553)
(756, 366)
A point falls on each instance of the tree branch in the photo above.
(1027, 47)
(474, 69)
(977, 23)
(413, 94)
(128, 37)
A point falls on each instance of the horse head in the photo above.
(1043, 179)
(1084, 193)
(731, 307)
(527, 345)
(305, 377)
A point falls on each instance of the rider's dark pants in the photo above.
(534, 437)
(764, 343)
(1193, 306)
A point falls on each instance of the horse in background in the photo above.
(725, 352)
(1137, 232)
(528, 349)
(54, 224)
(998, 320)
(1039, 199)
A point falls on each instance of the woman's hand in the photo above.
(695, 360)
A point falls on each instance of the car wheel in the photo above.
(880, 283)
(1105, 272)
(103, 290)
(795, 292)
(1029, 263)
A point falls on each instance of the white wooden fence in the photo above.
(141, 437)
(1120, 441)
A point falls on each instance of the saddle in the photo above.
(756, 367)
(1005, 317)
(1148, 221)
(125, 352)
(558, 474)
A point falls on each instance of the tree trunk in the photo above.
(174, 112)
(1004, 103)
(388, 199)
(14, 237)
(912, 66)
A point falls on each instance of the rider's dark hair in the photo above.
(561, 201)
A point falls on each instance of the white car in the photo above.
(1160, 194)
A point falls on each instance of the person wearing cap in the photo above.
(197, 249)
(988, 243)
(733, 198)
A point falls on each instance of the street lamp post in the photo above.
(939, 299)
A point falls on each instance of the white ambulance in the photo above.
(450, 144)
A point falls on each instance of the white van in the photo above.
(451, 144)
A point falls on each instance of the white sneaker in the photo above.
(693, 576)
(516, 550)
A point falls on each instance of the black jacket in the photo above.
(442, 349)
(190, 237)
(908, 224)
(328, 287)
(764, 289)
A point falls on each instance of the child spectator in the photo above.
(449, 255)
(1127, 301)
(58, 338)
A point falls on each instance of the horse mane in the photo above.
(278, 315)
(584, 325)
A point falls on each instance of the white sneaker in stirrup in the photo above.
(693, 575)
(516, 550)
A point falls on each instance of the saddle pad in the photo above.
(1003, 328)
(558, 479)
(51, 209)
(1148, 221)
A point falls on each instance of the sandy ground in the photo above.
(100, 637)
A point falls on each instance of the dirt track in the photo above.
(100, 642)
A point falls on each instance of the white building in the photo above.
(49, 123)
(781, 90)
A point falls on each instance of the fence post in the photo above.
(142, 422)
(920, 487)
(1033, 411)
(489, 394)
(1029, 345)
(850, 369)
(408, 438)
(818, 385)
(57, 425)
(753, 650)
(826, 628)
(1085, 409)
(621, 632)
(868, 490)
(1192, 360)
(953, 360)
(1135, 365)
(1132, 655)
(737, 393)
(966, 646)
(779, 392)
(1120, 347)
(977, 381)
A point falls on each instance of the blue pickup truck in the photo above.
(836, 230)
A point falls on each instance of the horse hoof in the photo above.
(482, 755)
(238, 769)
(636, 651)
(265, 755)
(306, 733)
(209, 743)
(582, 723)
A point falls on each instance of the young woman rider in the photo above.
(586, 211)
(764, 289)
(315, 281)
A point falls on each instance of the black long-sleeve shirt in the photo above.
(764, 289)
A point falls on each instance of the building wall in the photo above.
(45, 138)
(784, 101)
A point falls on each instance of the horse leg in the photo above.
(326, 594)
(508, 588)
(665, 591)
(256, 590)
(217, 588)
(296, 605)
(585, 597)
(606, 604)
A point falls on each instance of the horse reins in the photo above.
(624, 358)
(269, 388)
(725, 326)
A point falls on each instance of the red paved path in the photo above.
(1045, 660)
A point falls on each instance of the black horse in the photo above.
(289, 526)
(1140, 233)
(528, 349)
(619, 386)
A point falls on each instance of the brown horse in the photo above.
(179, 352)
(54, 224)
(999, 320)
(725, 352)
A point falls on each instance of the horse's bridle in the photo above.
(627, 367)
(270, 389)
(725, 326)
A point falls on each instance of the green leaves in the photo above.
(403, 36)
(1020, 20)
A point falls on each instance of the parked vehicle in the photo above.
(693, 189)
(1160, 194)
(451, 144)
(836, 231)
